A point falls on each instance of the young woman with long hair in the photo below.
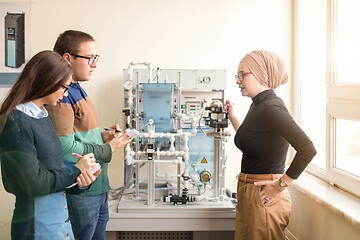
(31, 152)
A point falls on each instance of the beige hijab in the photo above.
(267, 67)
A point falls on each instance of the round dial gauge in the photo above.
(128, 85)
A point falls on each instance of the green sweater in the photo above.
(76, 122)
(31, 161)
(32, 170)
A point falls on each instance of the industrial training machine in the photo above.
(177, 159)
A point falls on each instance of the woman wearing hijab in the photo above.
(264, 204)
(31, 152)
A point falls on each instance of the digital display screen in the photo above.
(11, 33)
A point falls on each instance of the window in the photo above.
(327, 74)
(347, 151)
(347, 35)
(310, 74)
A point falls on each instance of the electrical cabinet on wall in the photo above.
(14, 39)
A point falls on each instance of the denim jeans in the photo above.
(89, 215)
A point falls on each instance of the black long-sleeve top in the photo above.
(265, 135)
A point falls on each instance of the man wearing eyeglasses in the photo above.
(76, 122)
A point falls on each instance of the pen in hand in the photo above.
(94, 169)
(108, 129)
(77, 155)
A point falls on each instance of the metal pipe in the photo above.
(151, 166)
(151, 183)
(137, 147)
(158, 161)
(178, 128)
(216, 174)
(137, 187)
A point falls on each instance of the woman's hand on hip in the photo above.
(269, 191)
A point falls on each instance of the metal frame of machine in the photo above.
(187, 142)
(193, 107)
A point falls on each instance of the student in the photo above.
(76, 122)
(264, 204)
(31, 153)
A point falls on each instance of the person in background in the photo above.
(31, 154)
(76, 122)
(264, 204)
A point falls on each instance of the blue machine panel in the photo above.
(158, 105)
(201, 152)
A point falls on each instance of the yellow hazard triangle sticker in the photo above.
(204, 160)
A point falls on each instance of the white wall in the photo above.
(311, 220)
(171, 34)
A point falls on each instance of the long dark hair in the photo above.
(44, 74)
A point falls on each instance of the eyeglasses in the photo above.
(66, 88)
(91, 59)
(241, 76)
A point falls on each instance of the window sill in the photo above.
(332, 197)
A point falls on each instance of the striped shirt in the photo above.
(76, 122)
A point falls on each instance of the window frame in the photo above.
(343, 100)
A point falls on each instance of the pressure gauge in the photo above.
(128, 85)
(205, 176)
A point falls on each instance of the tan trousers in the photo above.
(254, 221)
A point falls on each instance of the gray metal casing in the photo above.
(190, 79)
(15, 21)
